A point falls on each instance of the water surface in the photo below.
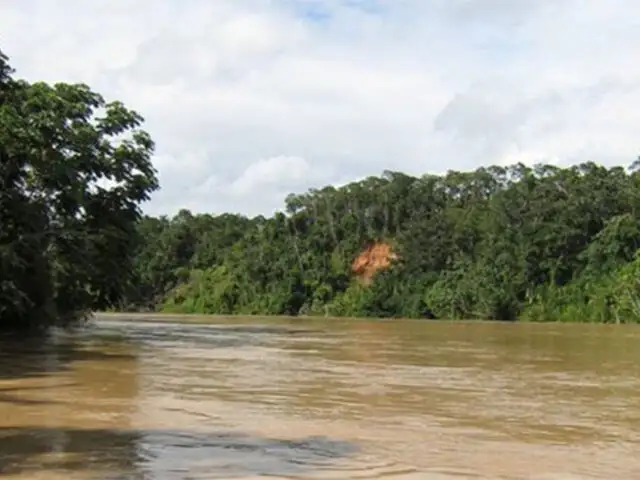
(249, 398)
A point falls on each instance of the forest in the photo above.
(528, 243)
(540, 243)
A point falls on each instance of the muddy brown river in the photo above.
(245, 398)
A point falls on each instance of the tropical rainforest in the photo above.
(540, 243)
(530, 243)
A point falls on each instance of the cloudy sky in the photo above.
(249, 100)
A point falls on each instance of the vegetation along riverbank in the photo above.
(501, 243)
(541, 243)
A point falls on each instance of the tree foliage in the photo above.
(73, 172)
(535, 243)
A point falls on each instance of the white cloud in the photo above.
(249, 100)
(270, 172)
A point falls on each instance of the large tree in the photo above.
(74, 170)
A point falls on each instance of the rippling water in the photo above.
(328, 399)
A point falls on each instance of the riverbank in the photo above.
(195, 318)
(503, 243)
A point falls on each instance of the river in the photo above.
(248, 398)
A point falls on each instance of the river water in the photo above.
(248, 398)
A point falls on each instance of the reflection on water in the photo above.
(322, 399)
(170, 454)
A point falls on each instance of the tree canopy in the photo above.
(74, 170)
(504, 243)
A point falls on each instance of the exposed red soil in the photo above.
(375, 257)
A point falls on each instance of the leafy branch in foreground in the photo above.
(74, 170)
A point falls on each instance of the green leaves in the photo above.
(542, 243)
(74, 172)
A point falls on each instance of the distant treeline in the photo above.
(542, 243)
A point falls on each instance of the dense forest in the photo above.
(537, 243)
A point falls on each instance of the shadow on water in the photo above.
(166, 454)
(46, 355)
(7, 395)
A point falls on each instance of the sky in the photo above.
(250, 100)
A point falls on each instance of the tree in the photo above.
(74, 170)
